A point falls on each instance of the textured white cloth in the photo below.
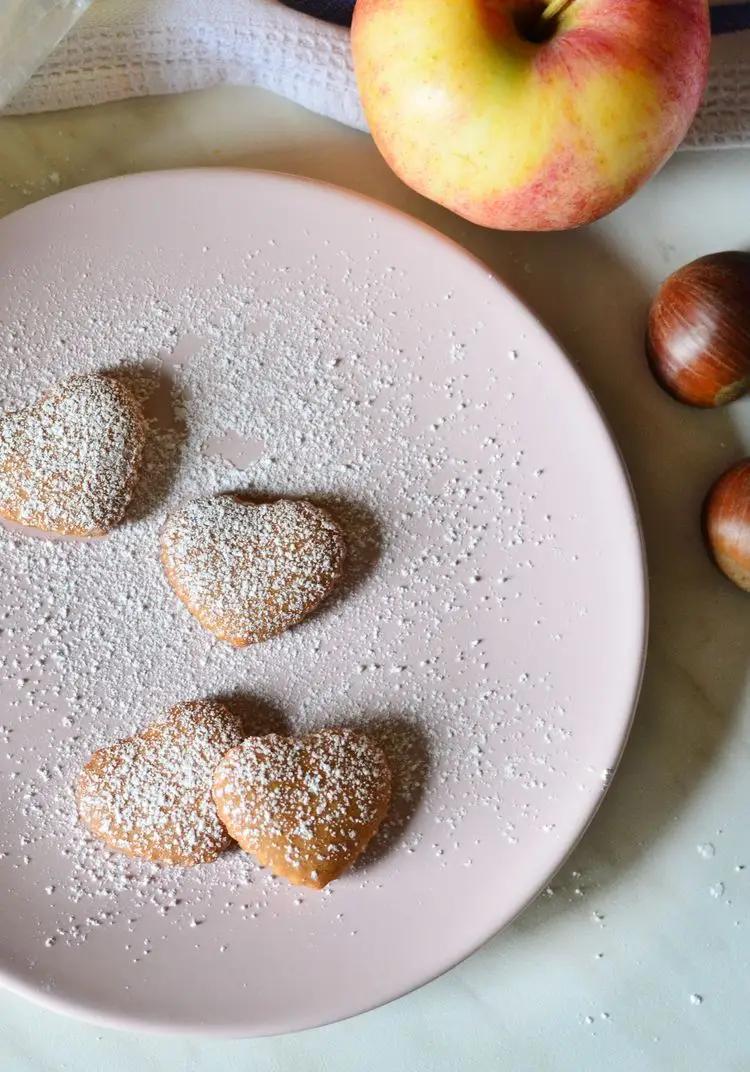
(127, 48)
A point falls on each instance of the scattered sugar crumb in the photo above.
(95, 645)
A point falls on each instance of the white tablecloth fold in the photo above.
(128, 48)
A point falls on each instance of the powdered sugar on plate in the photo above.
(100, 637)
(280, 355)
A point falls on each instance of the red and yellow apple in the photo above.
(523, 115)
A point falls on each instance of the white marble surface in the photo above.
(638, 959)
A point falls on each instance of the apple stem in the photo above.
(554, 7)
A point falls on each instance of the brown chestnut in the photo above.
(698, 336)
(726, 523)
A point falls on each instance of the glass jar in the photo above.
(29, 30)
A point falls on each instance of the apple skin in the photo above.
(519, 135)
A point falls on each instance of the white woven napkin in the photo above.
(129, 48)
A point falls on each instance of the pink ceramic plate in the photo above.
(288, 337)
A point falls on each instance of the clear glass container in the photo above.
(29, 30)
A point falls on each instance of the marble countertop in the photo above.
(636, 957)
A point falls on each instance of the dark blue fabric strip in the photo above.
(338, 11)
(730, 18)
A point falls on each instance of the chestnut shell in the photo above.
(726, 523)
(698, 335)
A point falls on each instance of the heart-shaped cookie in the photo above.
(68, 463)
(248, 571)
(304, 807)
(150, 795)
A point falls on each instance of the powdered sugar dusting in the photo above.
(98, 641)
(249, 571)
(363, 386)
(305, 808)
(150, 795)
(68, 464)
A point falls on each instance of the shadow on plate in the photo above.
(156, 388)
(407, 749)
(260, 715)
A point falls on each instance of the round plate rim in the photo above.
(60, 1004)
